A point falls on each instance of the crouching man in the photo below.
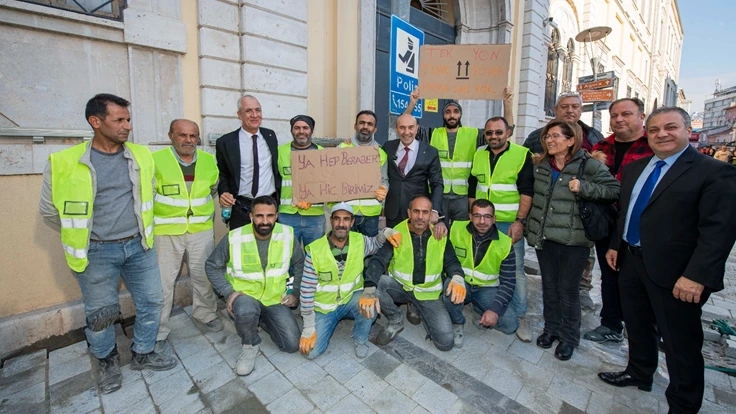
(250, 268)
(415, 270)
(333, 284)
(488, 262)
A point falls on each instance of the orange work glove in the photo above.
(309, 334)
(456, 288)
(368, 302)
(302, 205)
(381, 193)
(390, 235)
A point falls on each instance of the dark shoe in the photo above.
(603, 334)
(388, 333)
(586, 302)
(411, 314)
(564, 351)
(546, 340)
(152, 361)
(623, 379)
(109, 369)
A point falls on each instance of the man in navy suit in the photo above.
(675, 230)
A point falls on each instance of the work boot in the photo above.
(458, 330)
(109, 370)
(523, 332)
(388, 333)
(247, 360)
(412, 315)
(162, 347)
(214, 325)
(586, 302)
(361, 350)
(153, 361)
(603, 334)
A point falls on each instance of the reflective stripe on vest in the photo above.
(455, 170)
(73, 197)
(369, 207)
(244, 270)
(401, 266)
(284, 164)
(488, 271)
(500, 186)
(174, 203)
(335, 289)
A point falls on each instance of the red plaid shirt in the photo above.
(639, 149)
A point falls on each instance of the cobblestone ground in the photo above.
(492, 373)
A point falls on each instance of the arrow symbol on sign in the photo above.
(467, 64)
(459, 67)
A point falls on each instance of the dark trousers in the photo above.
(276, 320)
(651, 311)
(611, 316)
(562, 267)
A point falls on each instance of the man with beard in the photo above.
(415, 270)
(503, 173)
(333, 284)
(183, 210)
(306, 219)
(250, 267)
(368, 210)
(456, 145)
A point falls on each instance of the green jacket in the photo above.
(554, 214)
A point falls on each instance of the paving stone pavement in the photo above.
(492, 372)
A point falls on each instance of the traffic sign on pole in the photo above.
(605, 83)
(404, 66)
(597, 95)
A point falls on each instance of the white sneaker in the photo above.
(247, 360)
(523, 332)
(458, 330)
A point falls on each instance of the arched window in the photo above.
(553, 62)
(567, 66)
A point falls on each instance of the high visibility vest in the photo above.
(369, 207)
(489, 269)
(73, 196)
(500, 186)
(401, 266)
(244, 270)
(455, 170)
(333, 289)
(286, 191)
(173, 201)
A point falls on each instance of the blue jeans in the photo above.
(325, 324)
(518, 302)
(99, 285)
(276, 320)
(306, 228)
(482, 298)
(366, 225)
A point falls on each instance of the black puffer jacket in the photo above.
(535, 145)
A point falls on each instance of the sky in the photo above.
(708, 48)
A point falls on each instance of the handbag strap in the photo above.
(581, 171)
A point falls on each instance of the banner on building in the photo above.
(335, 174)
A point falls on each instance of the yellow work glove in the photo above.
(390, 235)
(456, 288)
(309, 334)
(302, 205)
(368, 302)
(381, 193)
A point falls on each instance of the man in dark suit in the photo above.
(676, 228)
(414, 170)
(241, 178)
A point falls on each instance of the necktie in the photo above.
(632, 234)
(256, 172)
(402, 163)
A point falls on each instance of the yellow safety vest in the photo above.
(368, 207)
(334, 289)
(286, 190)
(401, 266)
(489, 269)
(455, 170)
(73, 196)
(244, 270)
(500, 186)
(172, 202)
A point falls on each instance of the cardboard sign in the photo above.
(335, 174)
(464, 71)
(597, 95)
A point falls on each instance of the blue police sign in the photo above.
(404, 72)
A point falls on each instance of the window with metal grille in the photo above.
(108, 9)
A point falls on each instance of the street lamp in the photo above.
(588, 36)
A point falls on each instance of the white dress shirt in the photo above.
(266, 184)
(413, 150)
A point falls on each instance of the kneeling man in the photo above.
(333, 284)
(488, 262)
(250, 268)
(415, 270)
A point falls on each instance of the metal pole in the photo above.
(402, 10)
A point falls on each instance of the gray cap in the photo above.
(342, 206)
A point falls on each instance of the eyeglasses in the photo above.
(487, 217)
(491, 132)
(555, 136)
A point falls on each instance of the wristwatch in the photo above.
(521, 220)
